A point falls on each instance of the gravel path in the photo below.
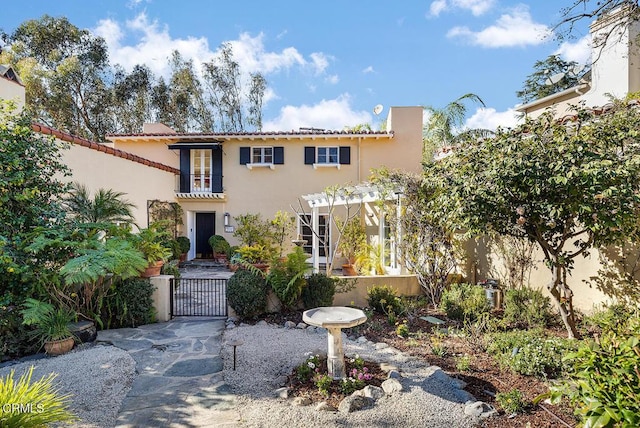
(99, 377)
(268, 353)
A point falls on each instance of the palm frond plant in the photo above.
(105, 206)
(50, 324)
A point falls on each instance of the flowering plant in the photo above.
(311, 366)
(356, 379)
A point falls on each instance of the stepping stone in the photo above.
(432, 320)
(195, 367)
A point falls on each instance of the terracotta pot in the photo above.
(349, 270)
(264, 267)
(58, 347)
(152, 270)
(183, 257)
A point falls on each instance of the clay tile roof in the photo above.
(43, 129)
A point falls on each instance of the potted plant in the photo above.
(185, 245)
(51, 325)
(255, 255)
(151, 242)
(352, 239)
(220, 248)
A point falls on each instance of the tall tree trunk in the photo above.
(563, 296)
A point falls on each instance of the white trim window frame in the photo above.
(262, 155)
(327, 155)
(201, 170)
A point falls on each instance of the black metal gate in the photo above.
(198, 297)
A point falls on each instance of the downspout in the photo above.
(359, 151)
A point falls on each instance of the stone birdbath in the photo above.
(334, 319)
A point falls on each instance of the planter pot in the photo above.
(264, 267)
(84, 331)
(349, 270)
(220, 257)
(152, 270)
(183, 257)
(58, 347)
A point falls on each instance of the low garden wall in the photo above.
(405, 285)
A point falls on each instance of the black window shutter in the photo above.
(345, 155)
(309, 155)
(245, 155)
(185, 171)
(278, 155)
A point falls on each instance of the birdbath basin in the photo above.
(334, 319)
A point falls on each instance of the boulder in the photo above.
(479, 409)
(353, 403)
(373, 392)
(301, 401)
(391, 385)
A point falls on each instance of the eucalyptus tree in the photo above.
(444, 125)
(64, 69)
(568, 187)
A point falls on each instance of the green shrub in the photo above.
(526, 308)
(219, 244)
(287, 278)
(512, 401)
(247, 293)
(47, 405)
(14, 336)
(184, 244)
(611, 318)
(319, 291)
(530, 352)
(602, 382)
(464, 302)
(383, 299)
(130, 303)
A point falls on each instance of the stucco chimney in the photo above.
(615, 58)
(157, 128)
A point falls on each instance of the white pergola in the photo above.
(361, 195)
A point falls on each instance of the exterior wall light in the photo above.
(227, 216)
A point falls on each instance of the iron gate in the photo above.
(198, 297)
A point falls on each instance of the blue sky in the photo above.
(329, 63)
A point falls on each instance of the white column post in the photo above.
(315, 247)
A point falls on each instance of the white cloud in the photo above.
(327, 114)
(512, 29)
(368, 70)
(437, 7)
(153, 46)
(489, 118)
(333, 79)
(580, 51)
(476, 7)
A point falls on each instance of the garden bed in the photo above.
(483, 375)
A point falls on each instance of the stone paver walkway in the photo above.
(179, 382)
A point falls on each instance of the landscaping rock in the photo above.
(321, 330)
(391, 385)
(381, 345)
(262, 322)
(301, 401)
(231, 325)
(394, 374)
(353, 403)
(311, 328)
(325, 407)
(479, 409)
(459, 383)
(373, 392)
(386, 367)
(301, 325)
(289, 324)
(282, 392)
(281, 380)
(361, 339)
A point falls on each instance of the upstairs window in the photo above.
(327, 155)
(262, 155)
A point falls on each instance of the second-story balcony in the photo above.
(193, 186)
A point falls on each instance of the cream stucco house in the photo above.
(222, 175)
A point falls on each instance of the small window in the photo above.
(262, 155)
(327, 155)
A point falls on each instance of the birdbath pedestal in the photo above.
(334, 319)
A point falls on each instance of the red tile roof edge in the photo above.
(44, 129)
(252, 134)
